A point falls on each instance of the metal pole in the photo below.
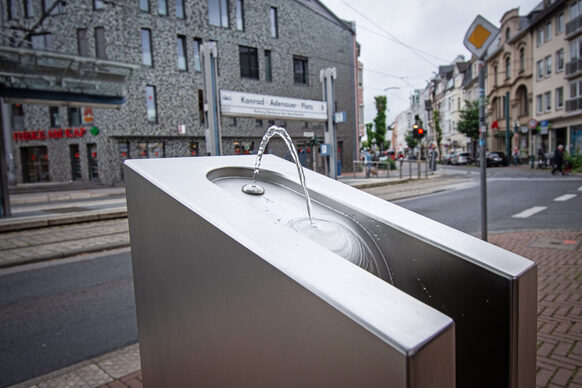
(213, 136)
(483, 149)
(4, 195)
(507, 141)
(327, 77)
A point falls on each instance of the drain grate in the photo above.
(567, 245)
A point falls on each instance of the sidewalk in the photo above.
(558, 254)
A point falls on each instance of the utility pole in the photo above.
(4, 195)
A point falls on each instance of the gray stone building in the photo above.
(86, 84)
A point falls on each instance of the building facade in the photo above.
(265, 47)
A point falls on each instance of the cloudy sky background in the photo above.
(433, 29)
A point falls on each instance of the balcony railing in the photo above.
(574, 26)
(574, 104)
(574, 68)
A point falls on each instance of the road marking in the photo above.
(580, 188)
(564, 197)
(530, 212)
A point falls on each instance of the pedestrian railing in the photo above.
(381, 169)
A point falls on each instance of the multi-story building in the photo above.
(64, 63)
(510, 85)
(557, 87)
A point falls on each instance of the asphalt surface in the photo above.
(59, 313)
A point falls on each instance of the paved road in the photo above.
(59, 313)
(516, 200)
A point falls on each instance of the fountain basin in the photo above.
(227, 293)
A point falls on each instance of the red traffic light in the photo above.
(420, 131)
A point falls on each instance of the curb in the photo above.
(22, 223)
(62, 255)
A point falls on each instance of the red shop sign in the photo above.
(49, 134)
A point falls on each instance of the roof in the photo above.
(319, 8)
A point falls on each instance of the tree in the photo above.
(380, 121)
(439, 131)
(369, 134)
(410, 140)
(469, 122)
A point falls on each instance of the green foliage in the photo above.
(380, 120)
(469, 122)
(410, 140)
(575, 160)
(370, 135)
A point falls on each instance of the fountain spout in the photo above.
(254, 188)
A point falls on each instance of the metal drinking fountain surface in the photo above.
(235, 289)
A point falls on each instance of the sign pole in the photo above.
(213, 137)
(478, 38)
(483, 150)
(327, 77)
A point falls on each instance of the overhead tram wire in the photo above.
(412, 49)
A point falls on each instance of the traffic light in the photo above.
(420, 133)
(415, 131)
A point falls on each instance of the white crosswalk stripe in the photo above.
(530, 212)
(564, 197)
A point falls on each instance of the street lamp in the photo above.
(391, 87)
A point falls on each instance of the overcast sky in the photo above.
(434, 29)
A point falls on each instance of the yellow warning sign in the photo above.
(479, 36)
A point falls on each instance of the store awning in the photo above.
(49, 78)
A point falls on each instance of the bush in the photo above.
(576, 161)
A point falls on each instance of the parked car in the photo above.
(493, 160)
(462, 158)
(447, 158)
(501, 154)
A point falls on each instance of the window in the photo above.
(268, 66)
(273, 22)
(540, 69)
(539, 108)
(300, 74)
(495, 75)
(201, 115)
(507, 34)
(11, 8)
(82, 42)
(181, 45)
(146, 47)
(98, 4)
(258, 122)
(144, 5)
(197, 63)
(218, 13)
(152, 112)
(559, 60)
(162, 7)
(249, 63)
(548, 99)
(75, 158)
(54, 117)
(540, 36)
(576, 88)
(41, 41)
(559, 98)
(74, 115)
(240, 15)
(575, 10)
(18, 123)
(560, 24)
(54, 7)
(548, 31)
(548, 61)
(180, 9)
(28, 9)
(100, 43)
(507, 68)
(521, 59)
(156, 150)
(576, 49)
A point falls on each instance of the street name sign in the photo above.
(259, 105)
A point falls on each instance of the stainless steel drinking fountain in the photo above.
(229, 292)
